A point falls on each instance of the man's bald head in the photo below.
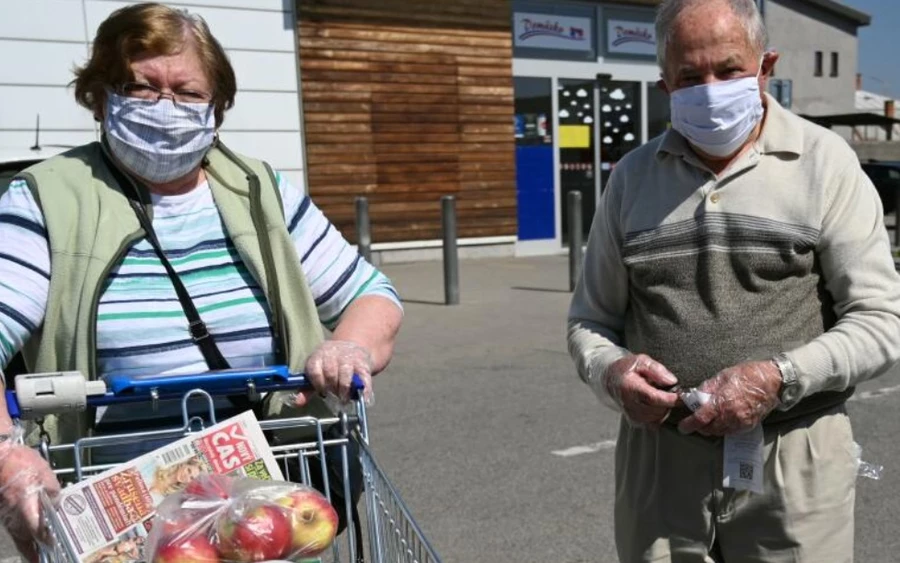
(701, 16)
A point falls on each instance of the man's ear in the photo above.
(768, 64)
(767, 70)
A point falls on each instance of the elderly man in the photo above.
(741, 254)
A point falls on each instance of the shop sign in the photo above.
(547, 31)
(630, 38)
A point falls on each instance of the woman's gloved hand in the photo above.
(331, 366)
(24, 476)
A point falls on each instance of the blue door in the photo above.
(534, 158)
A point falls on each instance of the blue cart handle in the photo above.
(41, 394)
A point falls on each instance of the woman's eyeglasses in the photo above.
(142, 91)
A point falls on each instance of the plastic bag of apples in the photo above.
(220, 519)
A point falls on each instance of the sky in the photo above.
(879, 51)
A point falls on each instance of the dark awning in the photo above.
(839, 9)
(856, 120)
(852, 119)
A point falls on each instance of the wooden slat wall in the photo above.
(406, 101)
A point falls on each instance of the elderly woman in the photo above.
(100, 241)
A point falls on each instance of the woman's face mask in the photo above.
(719, 117)
(158, 141)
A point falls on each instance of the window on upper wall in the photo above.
(782, 89)
(834, 64)
(818, 70)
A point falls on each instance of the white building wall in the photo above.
(41, 41)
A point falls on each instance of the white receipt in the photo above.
(743, 467)
(743, 464)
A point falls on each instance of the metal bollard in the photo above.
(576, 255)
(451, 257)
(363, 228)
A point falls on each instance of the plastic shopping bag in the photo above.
(239, 520)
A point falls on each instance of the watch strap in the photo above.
(789, 395)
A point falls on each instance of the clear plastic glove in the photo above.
(330, 369)
(24, 476)
(740, 397)
(864, 468)
(634, 383)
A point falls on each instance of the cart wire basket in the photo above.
(383, 531)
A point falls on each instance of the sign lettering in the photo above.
(547, 31)
(630, 38)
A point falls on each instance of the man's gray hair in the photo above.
(746, 11)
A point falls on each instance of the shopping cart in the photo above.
(387, 531)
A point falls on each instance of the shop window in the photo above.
(620, 122)
(818, 69)
(658, 113)
(782, 89)
(577, 152)
(533, 107)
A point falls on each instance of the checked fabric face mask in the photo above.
(158, 141)
(717, 118)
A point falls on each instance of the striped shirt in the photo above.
(141, 326)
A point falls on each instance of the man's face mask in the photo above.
(158, 141)
(718, 118)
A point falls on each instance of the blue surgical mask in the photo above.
(158, 141)
(718, 118)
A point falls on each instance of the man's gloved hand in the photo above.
(740, 397)
(24, 475)
(331, 366)
(635, 384)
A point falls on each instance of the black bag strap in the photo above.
(199, 333)
(357, 532)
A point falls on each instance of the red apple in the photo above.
(197, 549)
(263, 532)
(313, 521)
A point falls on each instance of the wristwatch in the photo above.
(789, 395)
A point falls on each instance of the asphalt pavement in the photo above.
(504, 456)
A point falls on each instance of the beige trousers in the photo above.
(671, 507)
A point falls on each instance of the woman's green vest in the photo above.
(91, 225)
